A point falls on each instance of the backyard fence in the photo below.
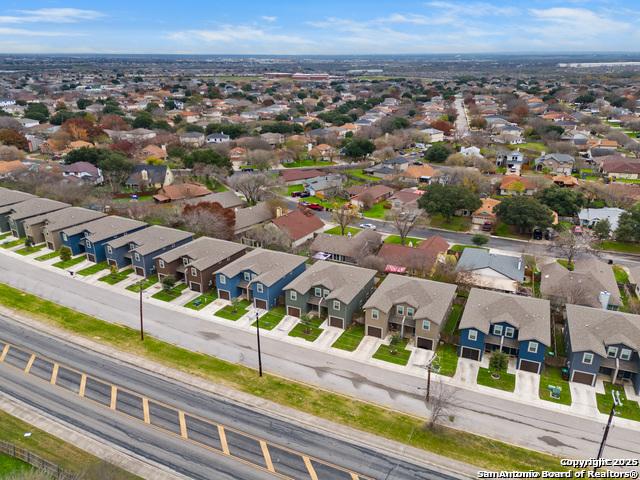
(39, 463)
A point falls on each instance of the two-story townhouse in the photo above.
(48, 227)
(331, 291)
(410, 306)
(18, 213)
(516, 325)
(7, 198)
(196, 262)
(141, 247)
(260, 276)
(602, 342)
(90, 238)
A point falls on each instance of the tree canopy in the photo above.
(525, 213)
(359, 148)
(565, 202)
(206, 157)
(445, 200)
(629, 225)
(437, 153)
(13, 138)
(37, 111)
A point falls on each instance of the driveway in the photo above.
(527, 385)
(583, 398)
(467, 371)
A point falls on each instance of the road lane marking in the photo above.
(145, 409)
(223, 440)
(114, 397)
(54, 373)
(183, 424)
(354, 476)
(30, 363)
(267, 456)
(312, 471)
(5, 350)
(83, 384)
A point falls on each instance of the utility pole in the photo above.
(258, 337)
(429, 367)
(141, 322)
(615, 394)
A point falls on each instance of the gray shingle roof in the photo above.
(531, 316)
(9, 197)
(430, 299)
(592, 329)
(347, 246)
(269, 266)
(105, 227)
(344, 281)
(250, 216)
(35, 206)
(478, 258)
(204, 252)
(149, 240)
(227, 199)
(64, 218)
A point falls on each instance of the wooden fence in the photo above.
(39, 463)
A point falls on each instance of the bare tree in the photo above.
(254, 186)
(405, 222)
(210, 219)
(9, 153)
(442, 404)
(269, 236)
(569, 246)
(343, 216)
(574, 292)
(261, 159)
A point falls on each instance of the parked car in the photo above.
(302, 194)
(370, 226)
(315, 206)
(577, 230)
(487, 226)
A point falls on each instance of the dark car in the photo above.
(487, 226)
(304, 194)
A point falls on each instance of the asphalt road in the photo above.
(509, 420)
(170, 450)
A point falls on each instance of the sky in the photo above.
(319, 27)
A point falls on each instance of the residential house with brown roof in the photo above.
(517, 185)
(621, 168)
(11, 168)
(345, 249)
(299, 225)
(415, 260)
(371, 195)
(485, 215)
(296, 176)
(418, 174)
(180, 191)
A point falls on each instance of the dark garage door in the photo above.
(195, 287)
(336, 322)
(424, 343)
(112, 262)
(91, 258)
(374, 332)
(529, 366)
(293, 311)
(470, 353)
(261, 304)
(224, 294)
(140, 271)
(50, 246)
(582, 377)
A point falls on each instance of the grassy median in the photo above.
(456, 444)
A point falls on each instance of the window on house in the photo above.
(533, 347)
(325, 293)
(375, 314)
(88, 244)
(612, 352)
(410, 311)
(161, 263)
(259, 288)
(194, 272)
(509, 332)
(426, 325)
(136, 256)
(185, 261)
(587, 358)
(293, 295)
(317, 292)
(336, 305)
(247, 276)
(497, 330)
(222, 279)
(400, 310)
(132, 246)
(109, 249)
(472, 335)
(64, 237)
(625, 354)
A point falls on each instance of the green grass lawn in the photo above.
(535, 146)
(113, 278)
(171, 294)
(29, 250)
(202, 301)
(454, 318)
(336, 230)
(620, 246)
(228, 312)
(327, 204)
(13, 243)
(141, 198)
(271, 319)
(477, 450)
(64, 264)
(447, 359)
(350, 338)
(395, 239)
(377, 211)
(507, 231)
(11, 466)
(98, 267)
(359, 174)
(294, 188)
(145, 283)
(48, 256)
(308, 163)
(552, 376)
(629, 409)
(309, 330)
(565, 263)
(460, 248)
(400, 357)
(506, 382)
(456, 224)
(4, 235)
(621, 274)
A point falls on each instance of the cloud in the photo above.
(51, 15)
(269, 18)
(471, 9)
(22, 32)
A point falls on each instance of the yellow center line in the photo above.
(223, 440)
(183, 424)
(83, 384)
(30, 363)
(267, 456)
(145, 409)
(54, 373)
(354, 476)
(114, 397)
(5, 350)
(312, 471)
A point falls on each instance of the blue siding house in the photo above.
(140, 248)
(602, 343)
(90, 238)
(259, 276)
(518, 326)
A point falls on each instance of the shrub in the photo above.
(65, 254)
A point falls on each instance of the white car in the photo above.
(368, 225)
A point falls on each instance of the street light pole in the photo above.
(141, 321)
(615, 394)
(258, 337)
(429, 367)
